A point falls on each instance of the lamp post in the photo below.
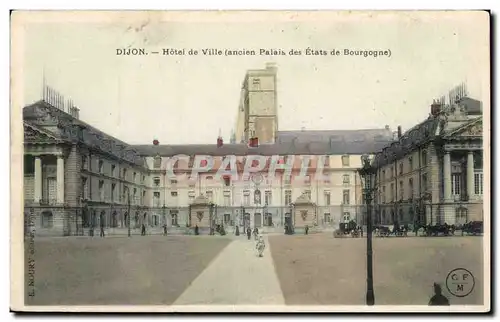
(128, 210)
(366, 173)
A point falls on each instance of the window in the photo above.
(327, 161)
(47, 219)
(191, 197)
(174, 217)
(346, 217)
(424, 158)
(288, 180)
(268, 198)
(156, 199)
(308, 193)
(346, 197)
(124, 174)
(424, 182)
(345, 160)
(327, 198)
(157, 162)
(113, 188)
(383, 174)
(410, 185)
(410, 163)
(383, 195)
(227, 181)
(246, 198)
(227, 218)
(173, 182)
(392, 191)
(135, 177)
(84, 162)
(113, 170)
(327, 217)
(134, 196)
(401, 168)
(256, 81)
(143, 196)
(156, 181)
(210, 195)
(85, 188)
(101, 166)
(288, 197)
(208, 178)
(173, 193)
(101, 190)
(346, 179)
(392, 172)
(227, 200)
(478, 183)
(143, 179)
(455, 184)
(401, 190)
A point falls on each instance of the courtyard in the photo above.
(315, 269)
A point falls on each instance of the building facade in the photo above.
(78, 178)
(433, 173)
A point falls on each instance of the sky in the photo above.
(189, 99)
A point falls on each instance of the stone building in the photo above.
(258, 110)
(77, 177)
(433, 173)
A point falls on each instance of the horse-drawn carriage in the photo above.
(472, 228)
(386, 231)
(346, 229)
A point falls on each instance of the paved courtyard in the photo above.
(322, 270)
(295, 270)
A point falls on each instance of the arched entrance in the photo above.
(114, 219)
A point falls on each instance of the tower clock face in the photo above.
(257, 178)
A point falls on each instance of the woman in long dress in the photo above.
(261, 245)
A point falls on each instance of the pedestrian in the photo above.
(143, 230)
(164, 229)
(256, 233)
(249, 233)
(260, 245)
(237, 233)
(307, 229)
(102, 229)
(438, 298)
(196, 230)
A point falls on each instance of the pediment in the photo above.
(472, 129)
(36, 135)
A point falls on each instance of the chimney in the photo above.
(400, 132)
(435, 108)
(254, 142)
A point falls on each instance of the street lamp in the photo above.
(366, 173)
(128, 211)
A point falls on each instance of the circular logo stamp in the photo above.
(460, 282)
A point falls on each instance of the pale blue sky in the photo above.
(187, 99)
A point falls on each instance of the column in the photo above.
(60, 179)
(470, 174)
(447, 175)
(38, 179)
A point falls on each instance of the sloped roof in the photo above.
(313, 148)
(368, 135)
(418, 135)
(77, 130)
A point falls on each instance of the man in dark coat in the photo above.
(143, 230)
(164, 229)
(249, 233)
(438, 298)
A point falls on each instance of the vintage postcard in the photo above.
(334, 161)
